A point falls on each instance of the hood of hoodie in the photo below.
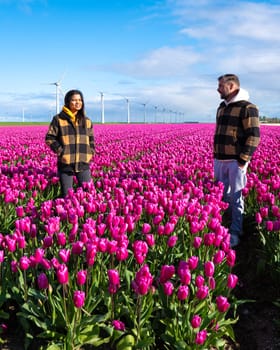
(242, 95)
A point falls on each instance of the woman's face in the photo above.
(76, 103)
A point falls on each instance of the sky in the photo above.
(152, 61)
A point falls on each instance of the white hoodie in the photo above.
(242, 95)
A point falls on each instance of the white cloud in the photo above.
(161, 63)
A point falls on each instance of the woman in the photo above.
(70, 136)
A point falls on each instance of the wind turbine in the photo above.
(128, 110)
(145, 112)
(102, 107)
(156, 107)
(57, 92)
(128, 106)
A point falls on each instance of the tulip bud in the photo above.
(222, 303)
(81, 277)
(183, 292)
(42, 281)
(232, 280)
(118, 325)
(79, 298)
(196, 321)
(168, 288)
(201, 337)
(62, 274)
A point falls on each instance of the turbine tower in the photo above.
(57, 91)
(128, 110)
(145, 111)
(102, 107)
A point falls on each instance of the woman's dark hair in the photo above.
(81, 113)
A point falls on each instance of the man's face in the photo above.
(225, 89)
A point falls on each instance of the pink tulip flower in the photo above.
(118, 325)
(166, 272)
(114, 277)
(172, 240)
(79, 298)
(196, 321)
(183, 292)
(197, 242)
(81, 277)
(168, 288)
(146, 228)
(232, 281)
(24, 263)
(62, 274)
(209, 269)
(42, 281)
(143, 281)
(193, 262)
(222, 303)
(61, 238)
(201, 337)
(202, 292)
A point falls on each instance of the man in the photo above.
(237, 136)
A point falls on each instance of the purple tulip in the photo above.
(200, 337)
(183, 292)
(219, 257)
(172, 241)
(166, 272)
(121, 253)
(77, 247)
(209, 269)
(222, 303)
(24, 263)
(168, 288)
(193, 262)
(231, 255)
(118, 325)
(64, 255)
(143, 281)
(232, 281)
(79, 298)
(146, 228)
(114, 277)
(150, 238)
(199, 281)
(61, 238)
(42, 281)
(196, 321)
(81, 277)
(197, 242)
(202, 292)
(2, 256)
(269, 225)
(62, 274)
(47, 242)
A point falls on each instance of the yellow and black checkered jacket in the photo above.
(237, 132)
(72, 142)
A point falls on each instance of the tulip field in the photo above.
(140, 257)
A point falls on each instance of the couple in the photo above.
(236, 138)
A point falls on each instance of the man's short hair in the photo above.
(230, 77)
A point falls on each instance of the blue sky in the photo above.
(165, 55)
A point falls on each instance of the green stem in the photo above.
(65, 307)
(138, 315)
(25, 285)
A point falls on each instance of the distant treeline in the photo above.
(265, 119)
